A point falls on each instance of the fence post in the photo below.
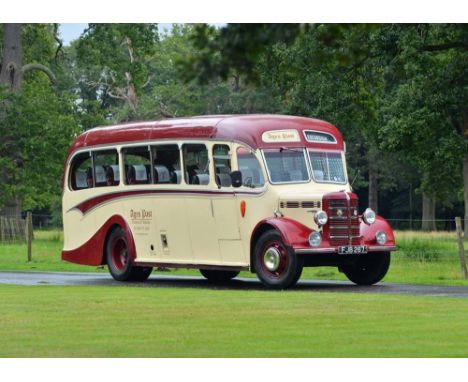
(29, 234)
(2, 227)
(461, 247)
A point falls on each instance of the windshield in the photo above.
(286, 165)
(327, 167)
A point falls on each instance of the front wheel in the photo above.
(276, 265)
(118, 259)
(218, 276)
(368, 269)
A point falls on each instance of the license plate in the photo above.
(352, 249)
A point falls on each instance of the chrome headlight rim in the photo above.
(315, 238)
(381, 237)
(369, 216)
(321, 218)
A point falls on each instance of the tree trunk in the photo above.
(11, 73)
(11, 76)
(373, 181)
(465, 188)
(428, 213)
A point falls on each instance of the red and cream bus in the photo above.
(222, 194)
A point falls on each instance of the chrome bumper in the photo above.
(370, 248)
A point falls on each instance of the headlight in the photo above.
(368, 216)
(321, 218)
(381, 237)
(315, 239)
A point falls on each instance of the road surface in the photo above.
(161, 281)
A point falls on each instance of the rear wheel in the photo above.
(218, 276)
(368, 269)
(276, 265)
(119, 261)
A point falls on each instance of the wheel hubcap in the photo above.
(120, 254)
(271, 259)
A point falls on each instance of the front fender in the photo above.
(293, 233)
(367, 232)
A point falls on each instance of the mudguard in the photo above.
(293, 233)
(367, 232)
(92, 251)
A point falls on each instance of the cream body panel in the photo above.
(170, 214)
(138, 211)
(202, 226)
(232, 253)
(226, 210)
(78, 228)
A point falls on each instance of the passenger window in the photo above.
(222, 165)
(137, 165)
(252, 175)
(196, 164)
(166, 163)
(81, 172)
(106, 168)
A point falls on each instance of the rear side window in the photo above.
(137, 163)
(250, 168)
(106, 168)
(166, 164)
(196, 164)
(81, 172)
(222, 165)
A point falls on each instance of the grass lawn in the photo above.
(425, 258)
(84, 321)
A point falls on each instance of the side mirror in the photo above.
(236, 179)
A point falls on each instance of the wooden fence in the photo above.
(13, 230)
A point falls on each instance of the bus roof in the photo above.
(248, 129)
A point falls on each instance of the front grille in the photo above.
(297, 204)
(344, 222)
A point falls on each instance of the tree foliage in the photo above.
(397, 92)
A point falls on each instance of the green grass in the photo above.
(46, 255)
(83, 321)
(423, 257)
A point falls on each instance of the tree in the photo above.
(36, 123)
(427, 113)
(12, 68)
(115, 62)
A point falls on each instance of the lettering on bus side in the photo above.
(141, 221)
(141, 215)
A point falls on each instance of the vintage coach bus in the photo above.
(221, 194)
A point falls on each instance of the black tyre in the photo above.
(368, 269)
(119, 261)
(218, 276)
(276, 265)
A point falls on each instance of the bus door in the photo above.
(198, 206)
(225, 208)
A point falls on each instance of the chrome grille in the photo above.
(298, 204)
(344, 222)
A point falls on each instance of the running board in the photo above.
(193, 266)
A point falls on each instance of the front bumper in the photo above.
(370, 248)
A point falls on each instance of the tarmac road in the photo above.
(161, 281)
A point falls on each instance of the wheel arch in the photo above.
(292, 233)
(92, 252)
(117, 221)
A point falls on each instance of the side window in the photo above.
(249, 166)
(222, 165)
(137, 164)
(81, 172)
(106, 168)
(166, 164)
(196, 164)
